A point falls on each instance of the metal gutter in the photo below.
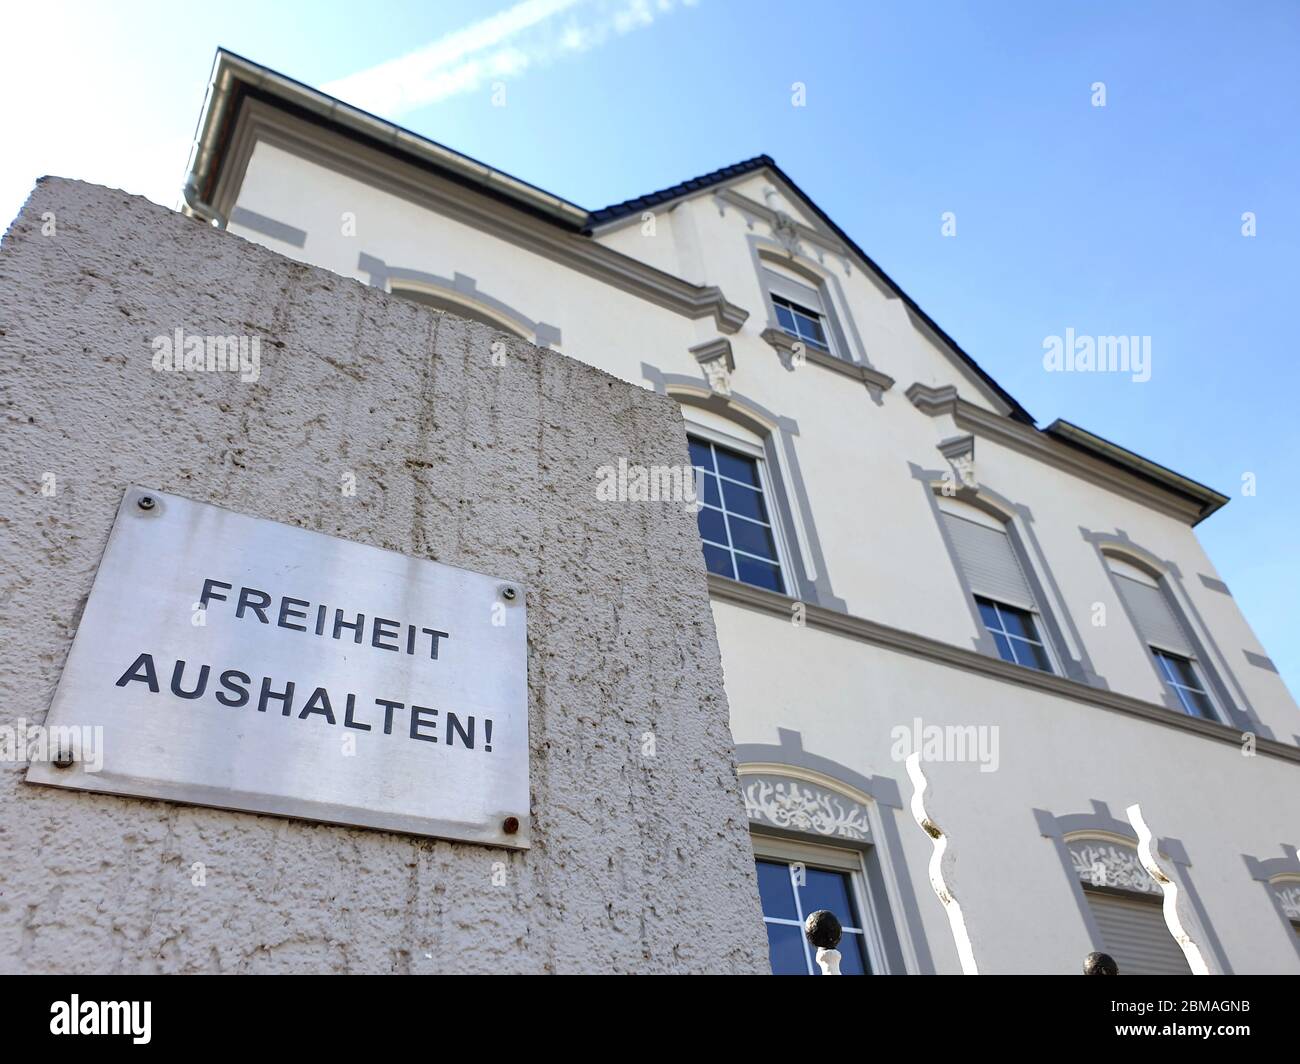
(1210, 500)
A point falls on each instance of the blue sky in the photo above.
(1123, 219)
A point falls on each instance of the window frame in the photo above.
(796, 309)
(838, 344)
(1203, 670)
(1158, 652)
(1053, 668)
(834, 859)
(775, 507)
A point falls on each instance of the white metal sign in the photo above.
(236, 662)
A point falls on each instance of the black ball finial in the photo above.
(1100, 964)
(823, 929)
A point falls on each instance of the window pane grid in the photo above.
(853, 950)
(801, 322)
(1014, 634)
(738, 543)
(1180, 676)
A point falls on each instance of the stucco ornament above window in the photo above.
(798, 806)
(960, 452)
(1106, 864)
(1288, 896)
(718, 363)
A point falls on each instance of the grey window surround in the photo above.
(457, 288)
(885, 793)
(1271, 872)
(821, 290)
(1237, 712)
(1101, 823)
(789, 502)
(1045, 595)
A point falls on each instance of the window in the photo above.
(1015, 634)
(1161, 628)
(735, 524)
(1134, 932)
(986, 557)
(790, 891)
(1180, 676)
(800, 322)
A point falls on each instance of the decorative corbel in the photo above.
(718, 363)
(960, 452)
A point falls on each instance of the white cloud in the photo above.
(531, 34)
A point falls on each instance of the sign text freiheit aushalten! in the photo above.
(237, 689)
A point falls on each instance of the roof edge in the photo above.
(1210, 500)
(230, 68)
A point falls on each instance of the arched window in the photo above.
(1126, 904)
(1158, 620)
(996, 576)
(738, 522)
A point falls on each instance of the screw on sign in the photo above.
(823, 931)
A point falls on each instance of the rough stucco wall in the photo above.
(638, 863)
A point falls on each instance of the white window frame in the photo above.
(1044, 639)
(1198, 670)
(776, 508)
(825, 307)
(836, 859)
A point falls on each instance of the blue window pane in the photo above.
(751, 538)
(711, 494)
(718, 560)
(853, 958)
(701, 455)
(1166, 667)
(748, 502)
(828, 890)
(1195, 702)
(760, 574)
(1182, 672)
(1004, 647)
(785, 318)
(712, 526)
(776, 890)
(738, 467)
(989, 613)
(785, 944)
(1030, 654)
(1017, 622)
(811, 330)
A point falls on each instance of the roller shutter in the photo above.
(1134, 933)
(1152, 615)
(989, 562)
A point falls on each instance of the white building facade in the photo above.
(900, 559)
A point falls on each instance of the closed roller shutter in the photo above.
(1155, 621)
(989, 562)
(1134, 933)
